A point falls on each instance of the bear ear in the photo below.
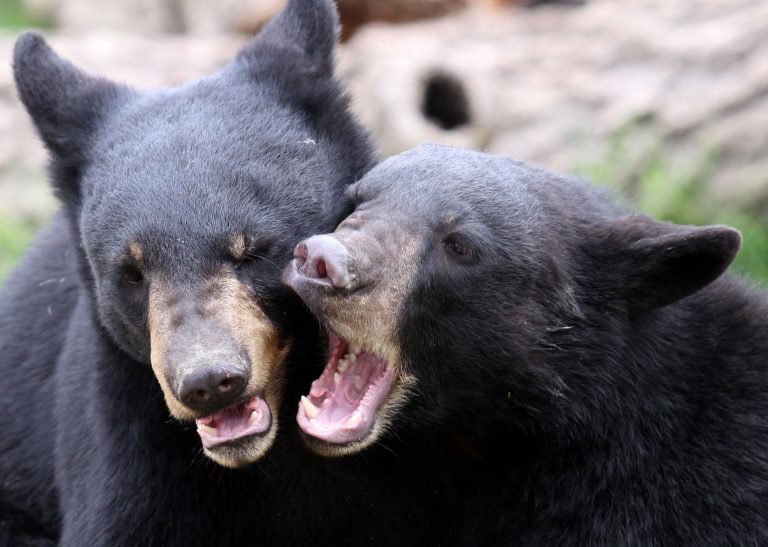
(309, 26)
(64, 103)
(650, 263)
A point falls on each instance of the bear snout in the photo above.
(325, 258)
(212, 345)
(320, 268)
(207, 388)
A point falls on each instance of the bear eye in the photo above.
(458, 248)
(245, 249)
(254, 254)
(132, 275)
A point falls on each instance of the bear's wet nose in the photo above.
(211, 388)
(325, 257)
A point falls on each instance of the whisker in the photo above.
(256, 258)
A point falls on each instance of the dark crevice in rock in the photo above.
(445, 101)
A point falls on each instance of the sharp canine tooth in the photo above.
(309, 409)
(355, 419)
(254, 417)
(207, 429)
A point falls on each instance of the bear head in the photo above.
(467, 291)
(186, 202)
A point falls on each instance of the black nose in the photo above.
(212, 388)
(325, 257)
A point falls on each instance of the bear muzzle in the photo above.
(218, 359)
(320, 262)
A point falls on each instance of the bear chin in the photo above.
(243, 451)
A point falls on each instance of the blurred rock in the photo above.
(553, 85)
(157, 16)
(222, 16)
(136, 60)
(556, 86)
(149, 16)
(355, 13)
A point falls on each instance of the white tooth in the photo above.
(351, 357)
(354, 349)
(309, 409)
(207, 429)
(355, 419)
(342, 365)
(336, 377)
(254, 417)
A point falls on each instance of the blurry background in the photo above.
(666, 100)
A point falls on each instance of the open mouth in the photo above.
(235, 423)
(344, 401)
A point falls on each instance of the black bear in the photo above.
(158, 288)
(596, 379)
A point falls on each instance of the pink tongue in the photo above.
(232, 423)
(250, 418)
(347, 408)
(351, 388)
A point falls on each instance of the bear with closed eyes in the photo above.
(150, 356)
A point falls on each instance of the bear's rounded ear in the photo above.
(309, 27)
(649, 263)
(64, 103)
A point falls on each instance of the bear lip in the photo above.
(245, 419)
(344, 401)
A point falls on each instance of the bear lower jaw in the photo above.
(238, 435)
(243, 451)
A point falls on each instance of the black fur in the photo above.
(88, 452)
(595, 378)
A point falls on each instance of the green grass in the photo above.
(14, 238)
(13, 16)
(658, 187)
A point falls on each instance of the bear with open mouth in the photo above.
(595, 377)
(148, 344)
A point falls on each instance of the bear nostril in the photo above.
(228, 384)
(322, 269)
